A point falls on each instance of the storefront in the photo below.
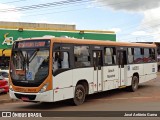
(8, 34)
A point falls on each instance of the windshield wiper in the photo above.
(27, 61)
(33, 56)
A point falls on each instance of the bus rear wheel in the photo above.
(134, 84)
(79, 95)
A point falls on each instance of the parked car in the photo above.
(4, 74)
(4, 87)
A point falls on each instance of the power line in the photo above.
(13, 1)
(68, 10)
(74, 9)
(129, 36)
(71, 10)
(39, 6)
(146, 28)
(61, 3)
(68, 5)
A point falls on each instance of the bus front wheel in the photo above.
(79, 95)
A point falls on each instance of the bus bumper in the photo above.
(36, 97)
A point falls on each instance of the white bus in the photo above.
(54, 69)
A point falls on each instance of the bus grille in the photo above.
(30, 97)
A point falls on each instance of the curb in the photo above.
(8, 101)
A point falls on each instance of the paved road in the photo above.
(147, 98)
(4, 96)
(114, 100)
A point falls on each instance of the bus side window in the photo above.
(152, 54)
(65, 61)
(130, 55)
(146, 55)
(82, 56)
(110, 56)
(60, 60)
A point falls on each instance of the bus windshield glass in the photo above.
(29, 63)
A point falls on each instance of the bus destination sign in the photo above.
(31, 44)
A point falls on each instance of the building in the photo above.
(11, 31)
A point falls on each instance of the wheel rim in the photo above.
(135, 83)
(79, 94)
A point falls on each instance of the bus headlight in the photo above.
(10, 87)
(43, 89)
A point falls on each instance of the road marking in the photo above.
(157, 96)
(129, 98)
(141, 97)
(107, 99)
(119, 98)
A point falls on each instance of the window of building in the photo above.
(110, 56)
(138, 57)
(82, 56)
(130, 55)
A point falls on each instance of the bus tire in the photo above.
(134, 83)
(79, 95)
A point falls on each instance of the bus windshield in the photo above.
(29, 66)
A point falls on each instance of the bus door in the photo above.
(97, 63)
(122, 61)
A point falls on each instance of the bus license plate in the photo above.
(24, 98)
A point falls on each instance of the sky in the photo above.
(132, 20)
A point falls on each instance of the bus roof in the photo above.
(94, 42)
(100, 42)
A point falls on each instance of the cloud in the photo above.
(151, 19)
(9, 15)
(116, 30)
(150, 23)
(130, 5)
(139, 33)
(148, 8)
